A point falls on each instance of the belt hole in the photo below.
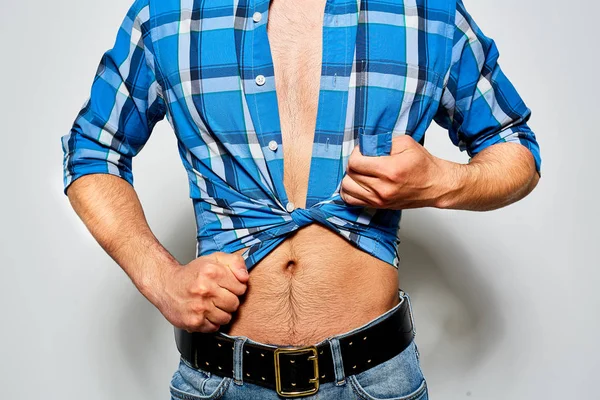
(293, 384)
(354, 367)
(365, 338)
(292, 361)
(207, 363)
(262, 354)
(219, 367)
(321, 352)
(368, 361)
(219, 344)
(232, 347)
(350, 344)
(262, 377)
(322, 376)
(247, 374)
(247, 352)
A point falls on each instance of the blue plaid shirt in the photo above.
(389, 67)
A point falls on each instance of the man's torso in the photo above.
(315, 284)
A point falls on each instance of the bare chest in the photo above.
(295, 37)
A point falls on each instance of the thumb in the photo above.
(240, 271)
(235, 263)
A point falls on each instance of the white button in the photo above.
(290, 207)
(260, 80)
(257, 16)
(273, 145)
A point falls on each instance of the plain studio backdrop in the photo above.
(506, 302)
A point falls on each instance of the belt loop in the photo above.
(338, 362)
(410, 310)
(238, 361)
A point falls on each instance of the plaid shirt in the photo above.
(389, 67)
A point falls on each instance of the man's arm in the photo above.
(111, 128)
(111, 211)
(498, 176)
(484, 115)
(411, 177)
(199, 296)
(113, 125)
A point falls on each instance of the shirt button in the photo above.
(290, 207)
(260, 80)
(273, 145)
(256, 17)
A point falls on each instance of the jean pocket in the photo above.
(189, 383)
(399, 378)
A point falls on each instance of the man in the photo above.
(303, 143)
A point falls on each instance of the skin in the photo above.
(411, 177)
(303, 291)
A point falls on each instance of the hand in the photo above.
(410, 177)
(202, 295)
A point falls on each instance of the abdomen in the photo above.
(313, 285)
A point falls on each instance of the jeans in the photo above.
(399, 378)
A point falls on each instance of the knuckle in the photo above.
(352, 161)
(201, 289)
(385, 193)
(236, 303)
(212, 271)
(238, 289)
(379, 201)
(406, 141)
(350, 200)
(226, 318)
(345, 182)
(209, 270)
(193, 321)
(198, 308)
(394, 174)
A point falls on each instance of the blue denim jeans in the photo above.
(399, 378)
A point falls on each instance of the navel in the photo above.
(291, 266)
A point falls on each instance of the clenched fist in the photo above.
(202, 295)
(410, 177)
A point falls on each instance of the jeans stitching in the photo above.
(180, 394)
(360, 392)
(219, 391)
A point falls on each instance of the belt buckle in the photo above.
(314, 381)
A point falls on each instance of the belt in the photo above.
(298, 371)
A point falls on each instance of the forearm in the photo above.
(110, 209)
(496, 177)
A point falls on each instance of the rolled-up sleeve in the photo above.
(123, 106)
(479, 105)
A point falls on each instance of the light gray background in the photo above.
(506, 302)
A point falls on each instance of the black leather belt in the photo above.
(298, 371)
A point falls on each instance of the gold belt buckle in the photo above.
(314, 381)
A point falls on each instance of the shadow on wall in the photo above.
(457, 317)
